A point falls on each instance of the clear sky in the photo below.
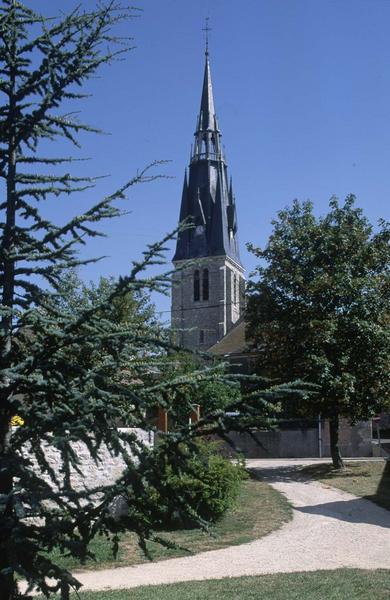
(302, 93)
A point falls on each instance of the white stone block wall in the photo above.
(93, 474)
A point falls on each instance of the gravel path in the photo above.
(330, 529)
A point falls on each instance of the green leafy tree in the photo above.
(132, 312)
(49, 374)
(186, 380)
(319, 310)
(135, 307)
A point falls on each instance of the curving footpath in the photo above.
(330, 529)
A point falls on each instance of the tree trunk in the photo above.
(8, 586)
(334, 442)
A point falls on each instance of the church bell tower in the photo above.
(208, 283)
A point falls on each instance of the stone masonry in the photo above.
(202, 323)
(93, 474)
(208, 283)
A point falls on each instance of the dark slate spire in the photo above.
(207, 110)
(207, 135)
(208, 199)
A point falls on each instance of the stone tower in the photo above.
(208, 283)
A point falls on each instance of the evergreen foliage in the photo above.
(72, 372)
(319, 310)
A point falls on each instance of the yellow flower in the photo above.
(16, 421)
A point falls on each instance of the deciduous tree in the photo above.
(318, 309)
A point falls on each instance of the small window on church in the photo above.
(201, 336)
(196, 286)
(235, 289)
(205, 284)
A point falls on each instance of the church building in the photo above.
(208, 282)
(208, 290)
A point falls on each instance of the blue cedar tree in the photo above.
(43, 66)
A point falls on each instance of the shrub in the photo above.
(209, 485)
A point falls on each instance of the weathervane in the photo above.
(206, 28)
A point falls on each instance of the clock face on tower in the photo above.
(199, 230)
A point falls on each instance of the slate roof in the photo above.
(208, 201)
(233, 343)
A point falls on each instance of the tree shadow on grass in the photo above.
(358, 510)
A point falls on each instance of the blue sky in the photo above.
(302, 92)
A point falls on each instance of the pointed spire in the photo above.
(208, 196)
(207, 110)
(207, 135)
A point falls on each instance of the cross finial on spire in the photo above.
(206, 29)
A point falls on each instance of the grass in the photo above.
(259, 510)
(341, 584)
(370, 480)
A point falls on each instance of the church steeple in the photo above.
(207, 294)
(207, 135)
(209, 200)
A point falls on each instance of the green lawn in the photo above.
(341, 584)
(368, 479)
(259, 510)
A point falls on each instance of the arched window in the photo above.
(196, 286)
(235, 288)
(205, 285)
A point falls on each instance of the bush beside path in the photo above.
(259, 510)
(331, 529)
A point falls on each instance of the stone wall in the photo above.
(93, 474)
(304, 442)
(215, 316)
